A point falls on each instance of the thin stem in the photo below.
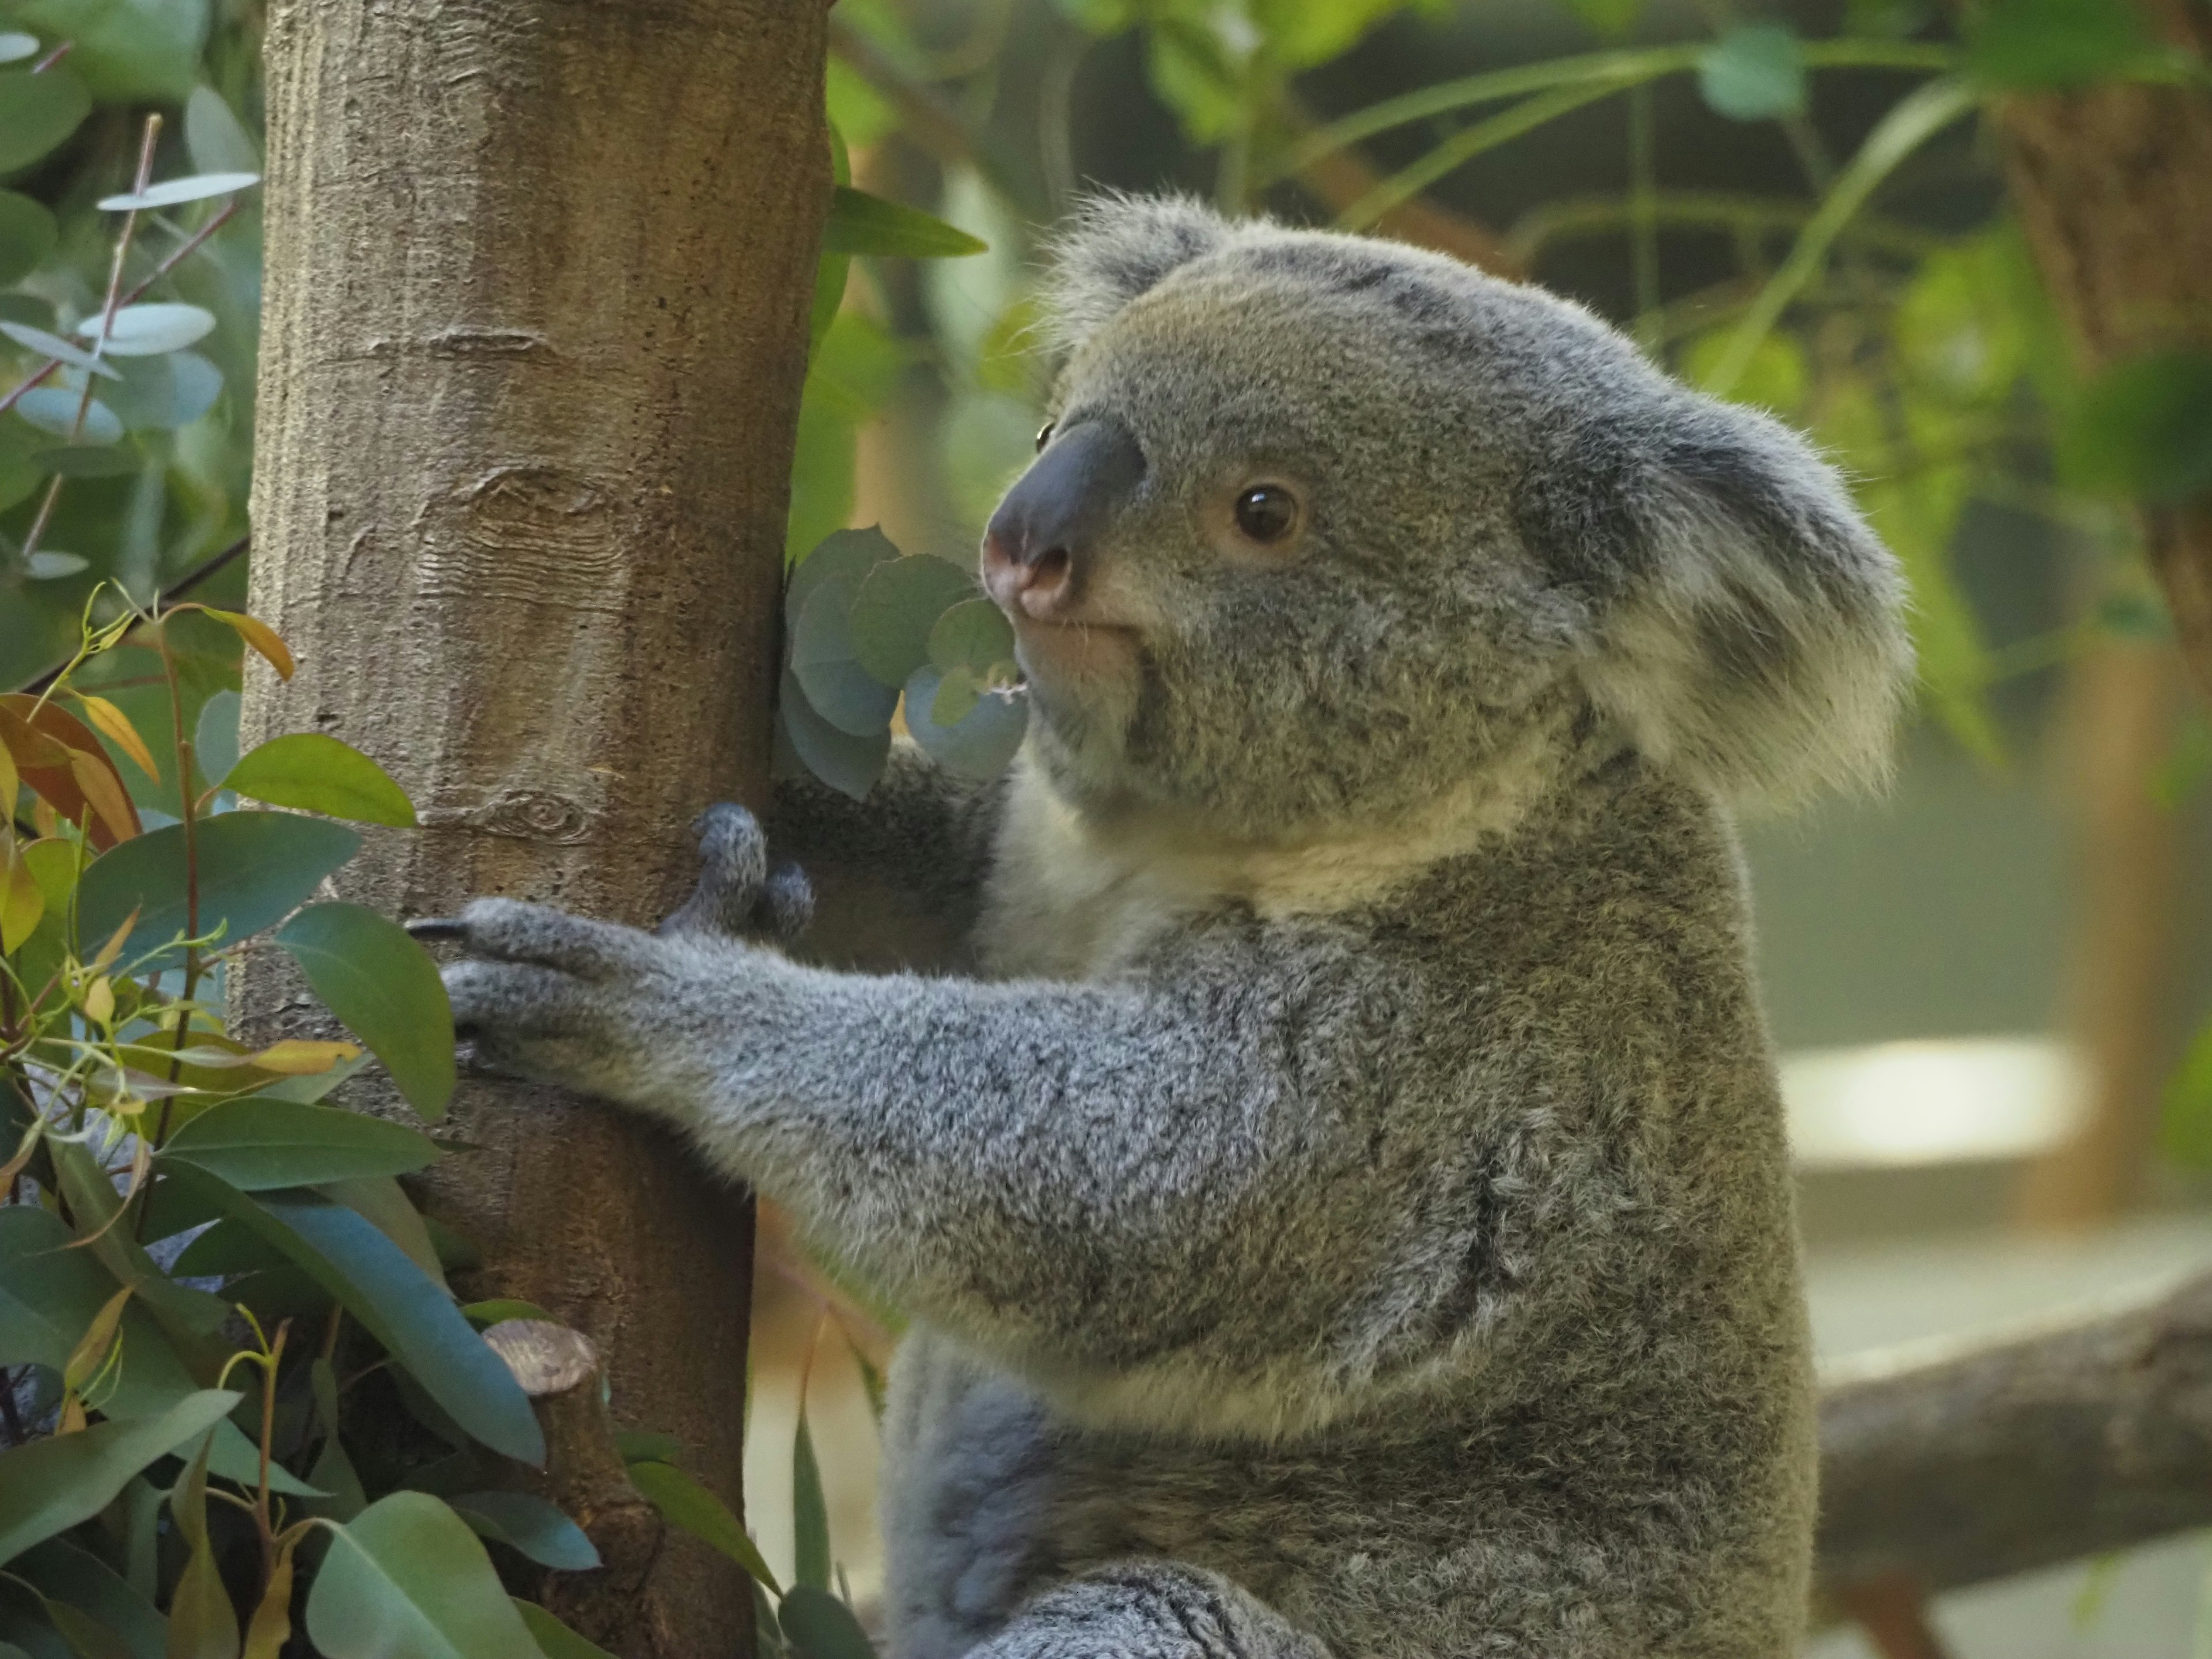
(53, 58)
(1463, 147)
(1643, 214)
(1911, 123)
(268, 1436)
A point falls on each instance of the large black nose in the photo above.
(1055, 514)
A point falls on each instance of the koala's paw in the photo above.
(740, 894)
(543, 994)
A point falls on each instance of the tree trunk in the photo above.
(534, 334)
(2114, 188)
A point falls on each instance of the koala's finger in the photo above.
(494, 1002)
(786, 905)
(733, 866)
(509, 931)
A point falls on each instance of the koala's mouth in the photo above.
(1073, 646)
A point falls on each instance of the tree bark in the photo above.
(533, 339)
(2114, 188)
(1952, 1470)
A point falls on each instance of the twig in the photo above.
(169, 595)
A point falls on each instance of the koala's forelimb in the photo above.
(1149, 1610)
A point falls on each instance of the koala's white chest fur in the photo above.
(1069, 899)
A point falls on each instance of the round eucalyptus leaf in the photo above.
(897, 609)
(822, 661)
(849, 764)
(37, 112)
(146, 330)
(172, 191)
(852, 553)
(52, 345)
(160, 394)
(216, 139)
(46, 566)
(982, 743)
(15, 45)
(973, 634)
(54, 408)
(27, 236)
(1754, 72)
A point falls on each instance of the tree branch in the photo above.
(1953, 1469)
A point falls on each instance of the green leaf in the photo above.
(255, 1143)
(384, 988)
(318, 774)
(333, 1470)
(48, 1291)
(27, 236)
(973, 634)
(528, 1524)
(254, 869)
(406, 1579)
(646, 1446)
(127, 50)
(982, 743)
(214, 736)
(396, 1301)
(845, 762)
(861, 223)
(896, 609)
(37, 112)
(160, 394)
(817, 1625)
(846, 554)
(87, 461)
(49, 1486)
(810, 1513)
(1754, 72)
(215, 138)
(77, 1577)
(190, 1317)
(382, 1202)
(203, 1622)
(683, 1503)
(2143, 429)
(1608, 18)
(822, 660)
(555, 1639)
(53, 409)
(2047, 44)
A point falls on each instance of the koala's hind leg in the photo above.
(740, 894)
(1148, 1610)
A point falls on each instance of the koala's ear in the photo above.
(1115, 248)
(1747, 626)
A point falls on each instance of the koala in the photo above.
(1327, 1138)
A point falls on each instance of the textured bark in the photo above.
(535, 329)
(2083, 1439)
(2114, 189)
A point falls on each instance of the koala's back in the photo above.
(1600, 1443)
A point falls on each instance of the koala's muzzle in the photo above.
(1047, 529)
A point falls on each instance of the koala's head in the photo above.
(1323, 525)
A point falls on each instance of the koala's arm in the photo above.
(1212, 1171)
(897, 877)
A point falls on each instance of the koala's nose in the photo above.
(1043, 533)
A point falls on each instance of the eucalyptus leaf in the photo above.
(215, 138)
(2143, 429)
(396, 1301)
(982, 743)
(683, 1502)
(46, 565)
(81, 1579)
(215, 735)
(256, 1144)
(48, 1485)
(315, 772)
(406, 1579)
(850, 554)
(1754, 72)
(160, 394)
(809, 1511)
(38, 112)
(384, 987)
(54, 408)
(170, 192)
(2039, 45)
(88, 461)
(849, 764)
(861, 223)
(36, 339)
(973, 634)
(14, 46)
(27, 236)
(815, 1624)
(555, 1639)
(254, 869)
(127, 50)
(529, 1524)
(837, 688)
(897, 608)
(49, 1292)
(148, 331)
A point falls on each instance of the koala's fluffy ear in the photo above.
(1747, 626)
(1115, 248)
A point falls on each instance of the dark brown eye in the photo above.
(1267, 512)
(1044, 436)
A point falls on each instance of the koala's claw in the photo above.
(738, 895)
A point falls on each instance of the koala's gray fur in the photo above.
(1344, 1200)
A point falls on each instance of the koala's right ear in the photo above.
(1115, 248)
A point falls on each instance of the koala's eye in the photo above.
(1267, 512)
(1044, 436)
